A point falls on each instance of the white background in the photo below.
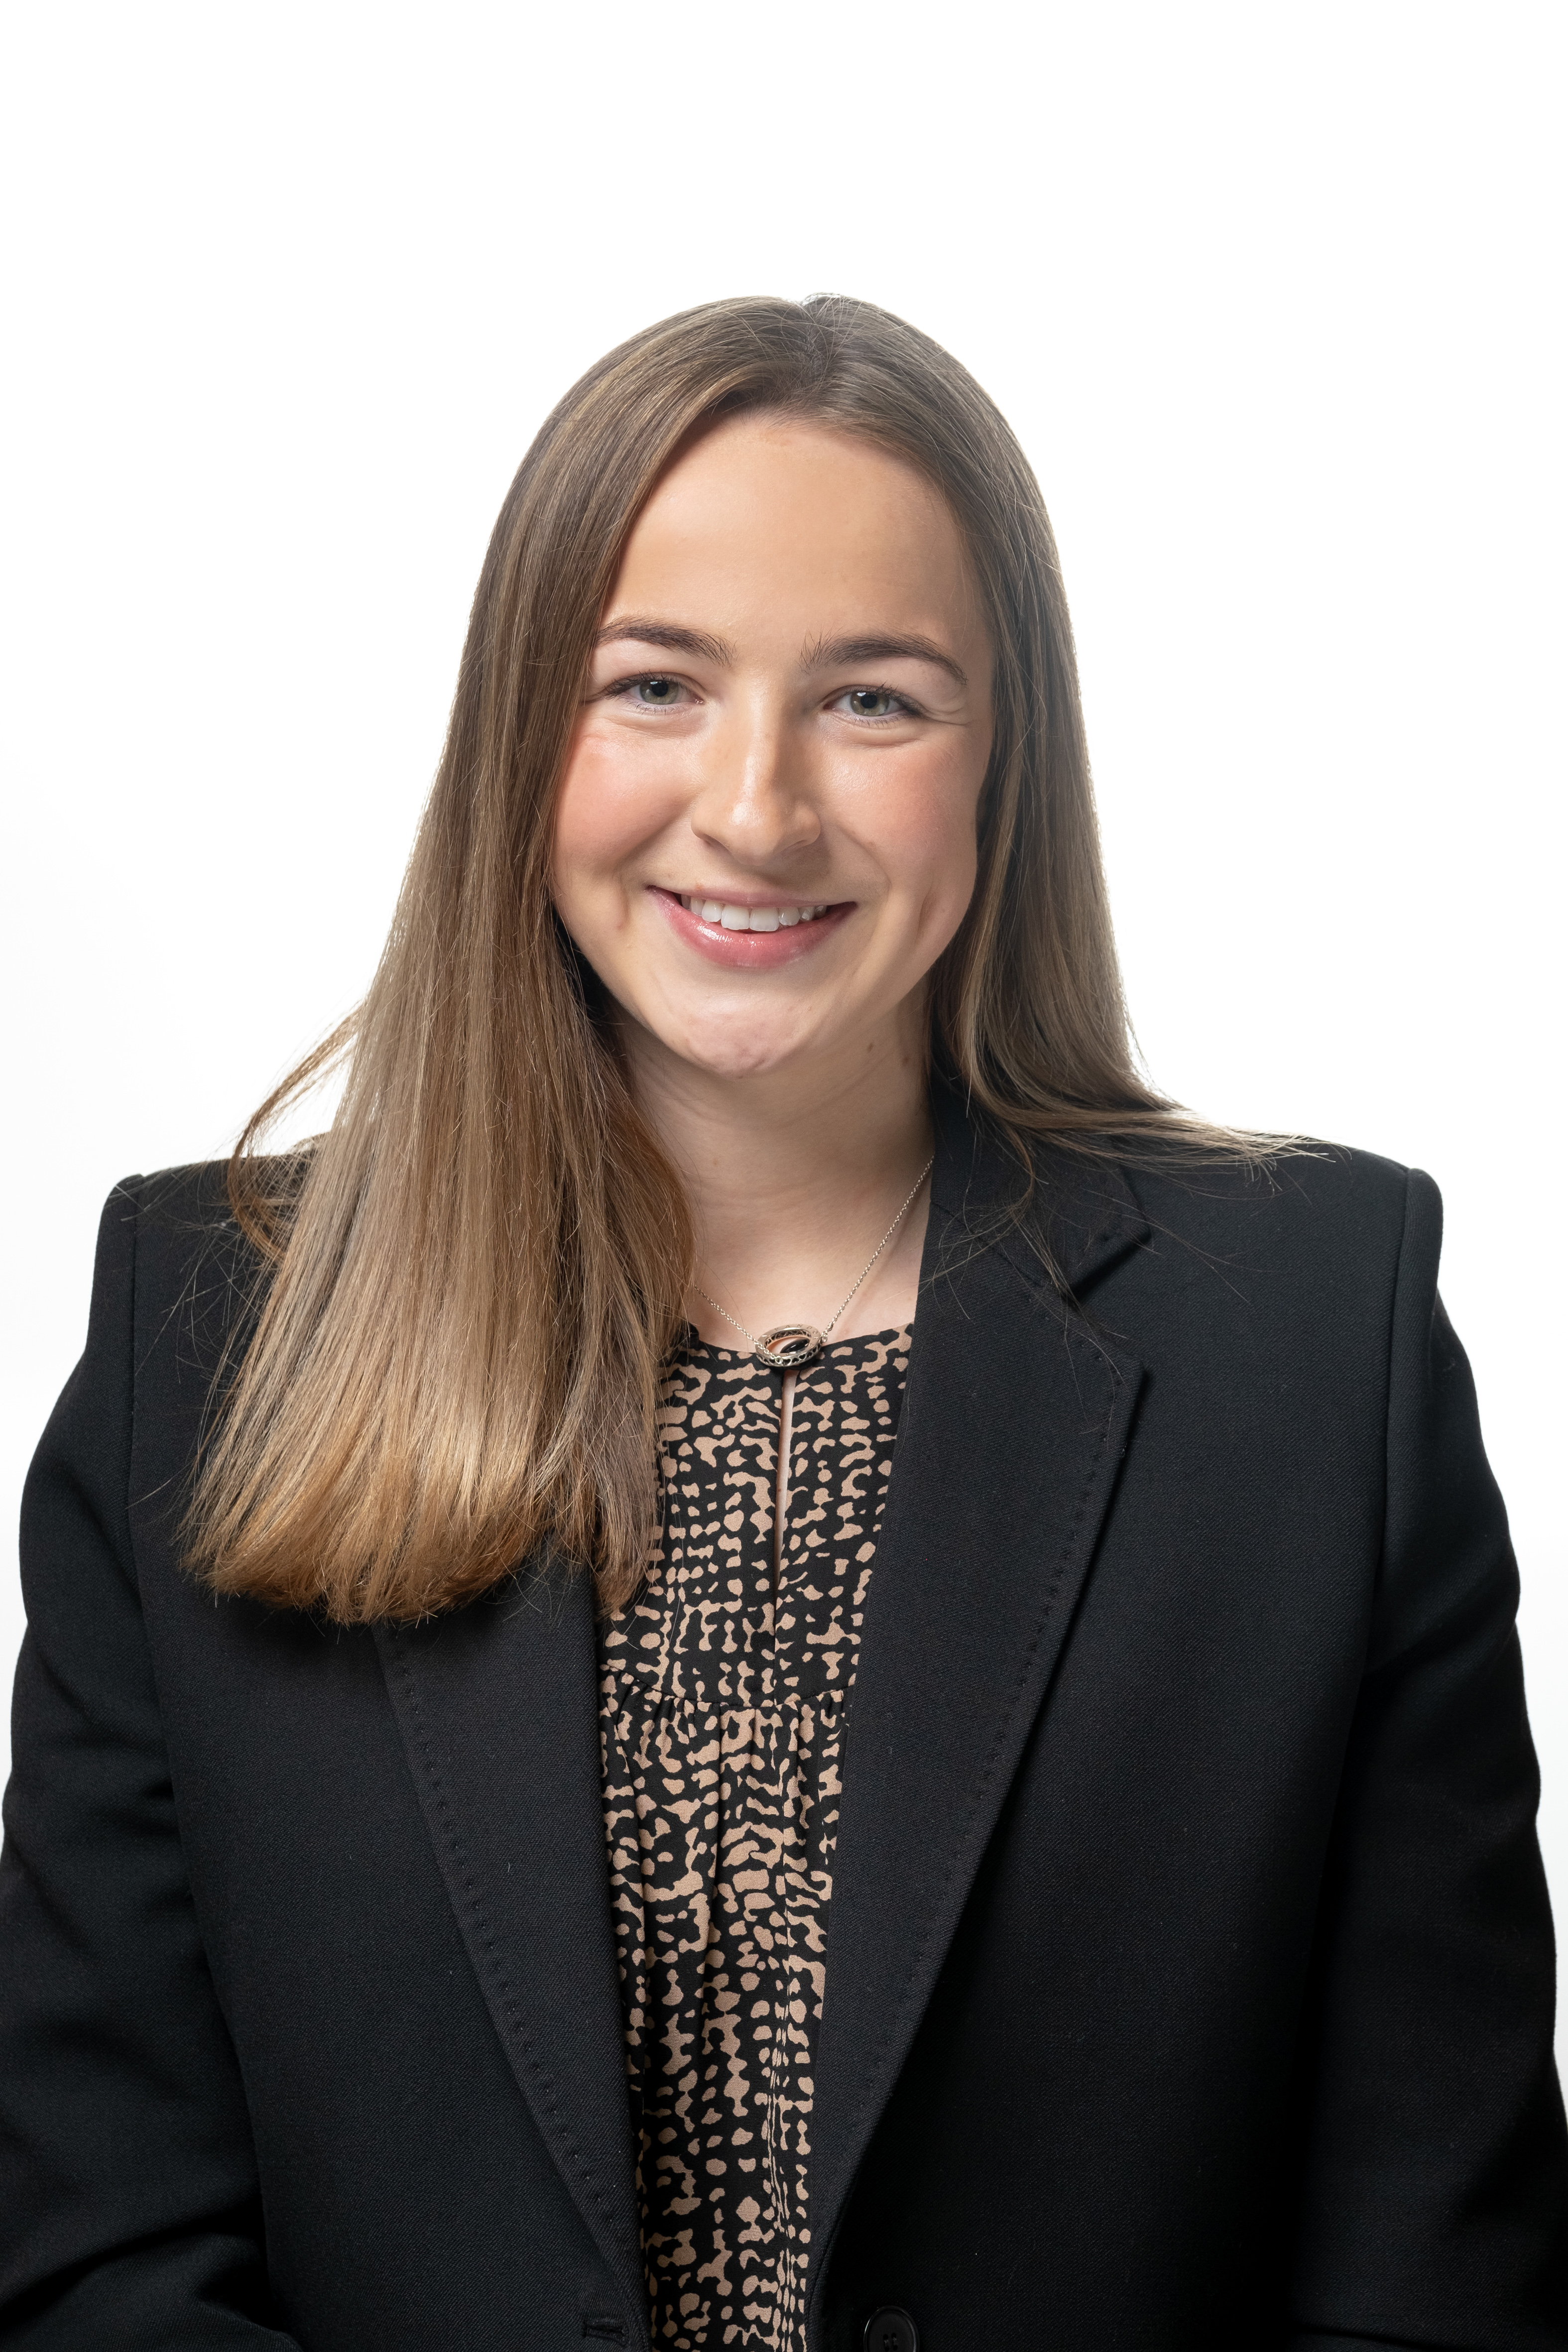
(1273, 295)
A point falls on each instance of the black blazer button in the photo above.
(891, 2330)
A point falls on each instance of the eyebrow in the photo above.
(673, 640)
(835, 653)
(826, 652)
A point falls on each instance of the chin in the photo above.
(744, 1061)
(741, 1053)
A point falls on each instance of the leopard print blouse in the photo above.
(724, 1685)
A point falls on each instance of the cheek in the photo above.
(615, 799)
(923, 830)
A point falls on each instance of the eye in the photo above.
(874, 702)
(655, 693)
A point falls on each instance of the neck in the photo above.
(794, 1174)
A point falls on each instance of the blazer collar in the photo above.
(1015, 1420)
(1083, 1211)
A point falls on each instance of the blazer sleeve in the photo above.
(1436, 2174)
(127, 2176)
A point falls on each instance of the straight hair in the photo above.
(468, 1286)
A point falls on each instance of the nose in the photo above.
(755, 800)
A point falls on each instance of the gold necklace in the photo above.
(787, 1345)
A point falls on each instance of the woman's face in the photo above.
(765, 834)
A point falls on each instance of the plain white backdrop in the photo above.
(1273, 297)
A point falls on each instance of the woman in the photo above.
(767, 1661)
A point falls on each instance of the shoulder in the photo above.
(172, 1254)
(1319, 1207)
(183, 1217)
(1310, 1262)
(176, 1290)
(1311, 1213)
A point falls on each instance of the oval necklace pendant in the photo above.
(788, 1345)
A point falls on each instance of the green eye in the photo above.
(872, 702)
(659, 693)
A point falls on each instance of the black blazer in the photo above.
(1189, 1968)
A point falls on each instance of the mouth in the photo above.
(731, 915)
(751, 938)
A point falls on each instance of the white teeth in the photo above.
(752, 919)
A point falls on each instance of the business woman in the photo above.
(766, 1660)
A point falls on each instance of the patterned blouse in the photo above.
(724, 1685)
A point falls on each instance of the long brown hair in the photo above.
(472, 1280)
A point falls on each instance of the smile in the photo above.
(732, 917)
(750, 938)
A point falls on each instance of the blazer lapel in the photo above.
(1013, 1427)
(1014, 1424)
(499, 1709)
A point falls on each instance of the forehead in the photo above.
(778, 510)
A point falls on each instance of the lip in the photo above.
(748, 951)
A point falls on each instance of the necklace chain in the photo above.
(814, 1342)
